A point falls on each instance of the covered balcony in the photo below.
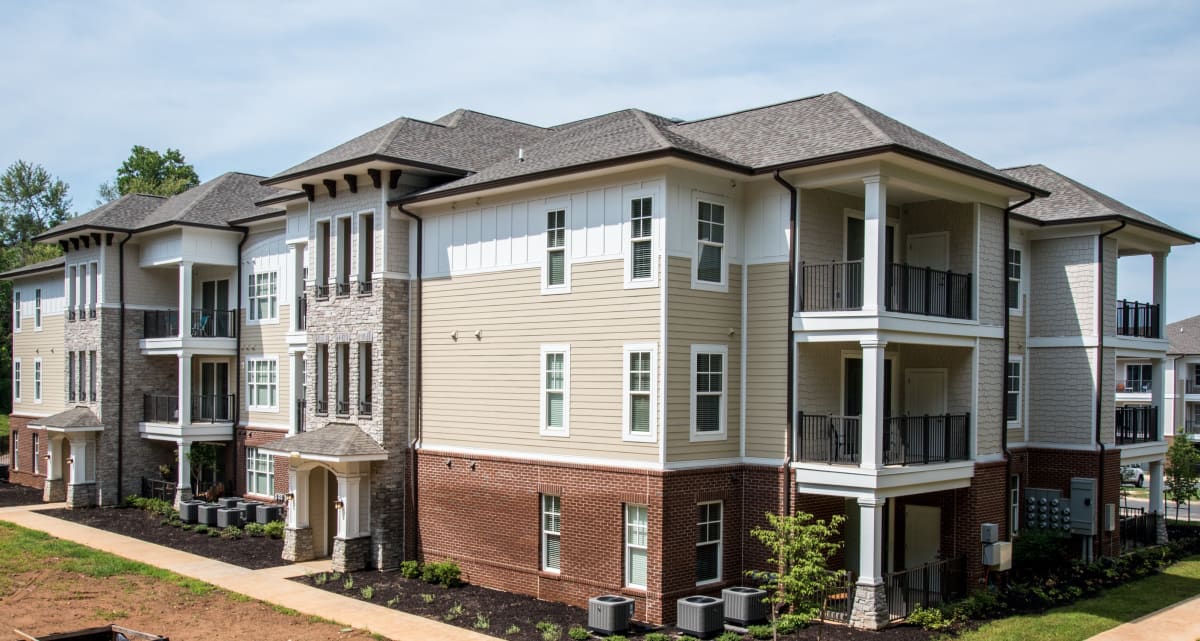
(907, 440)
(196, 403)
(203, 317)
(838, 286)
(1137, 424)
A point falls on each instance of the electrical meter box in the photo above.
(1083, 506)
(998, 555)
(989, 532)
(1046, 510)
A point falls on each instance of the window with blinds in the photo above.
(1014, 279)
(16, 322)
(37, 380)
(92, 377)
(556, 248)
(708, 542)
(710, 237)
(709, 389)
(16, 383)
(639, 392)
(641, 238)
(551, 532)
(636, 526)
(1012, 388)
(553, 376)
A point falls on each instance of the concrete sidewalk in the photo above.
(271, 585)
(1177, 622)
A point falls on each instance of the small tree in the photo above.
(202, 455)
(800, 546)
(1181, 478)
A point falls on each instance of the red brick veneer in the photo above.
(20, 471)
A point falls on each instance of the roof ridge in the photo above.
(853, 106)
(1026, 166)
(512, 120)
(393, 128)
(742, 111)
(652, 129)
(204, 190)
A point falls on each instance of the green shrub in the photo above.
(454, 612)
(761, 631)
(578, 633)
(727, 636)
(621, 637)
(656, 636)
(1036, 551)
(512, 629)
(792, 622)
(200, 528)
(274, 529)
(550, 631)
(980, 605)
(393, 602)
(348, 583)
(320, 579)
(929, 618)
(255, 529)
(368, 592)
(482, 622)
(410, 569)
(186, 527)
(213, 532)
(685, 637)
(232, 532)
(443, 573)
(427, 598)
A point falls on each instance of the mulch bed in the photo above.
(503, 609)
(254, 553)
(11, 495)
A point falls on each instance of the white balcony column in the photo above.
(185, 466)
(185, 299)
(873, 411)
(1157, 470)
(1160, 291)
(874, 243)
(1158, 378)
(870, 609)
(294, 255)
(185, 389)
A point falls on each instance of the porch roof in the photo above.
(336, 442)
(76, 419)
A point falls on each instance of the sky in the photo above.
(1105, 92)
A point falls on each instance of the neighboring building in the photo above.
(1182, 403)
(588, 358)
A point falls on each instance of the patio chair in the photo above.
(199, 326)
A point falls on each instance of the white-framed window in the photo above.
(263, 293)
(708, 392)
(1139, 378)
(341, 380)
(92, 376)
(16, 385)
(262, 383)
(1014, 504)
(708, 541)
(1012, 391)
(321, 258)
(83, 290)
(37, 460)
(551, 533)
(366, 373)
(636, 529)
(556, 390)
(16, 324)
(1014, 279)
(260, 473)
(366, 250)
(37, 309)
(82, 370)
(72, 289)
(94, 289)
(321, 378)
(70, 377)
(710, 265)
(557, 272)
(37, 380)
(345, 226)
(640, 383)
(639, 264)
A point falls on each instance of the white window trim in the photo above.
(38, 313)
(1014, 505)
(546, 534)
(722, 433)
(17, 376)
(250, 406)
(336, 234)
(94, 287)
(362, 269)
(627, 433)
(251, 299)
(17, 314)
(270, 473)
(38, 381)
(565, 350)
(722, 286)
(35, 443)
(720, 544)
(656, 240)
(629, 546)
(1019, 309)
(1020, 390)
(322, 241)
(565, 288)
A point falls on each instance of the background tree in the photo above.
(1180, 479)
(147, 171)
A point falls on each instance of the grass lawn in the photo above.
(1093, 616)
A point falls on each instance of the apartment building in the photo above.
(588, 358)
(1182, 380)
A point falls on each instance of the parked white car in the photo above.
(1133, 474)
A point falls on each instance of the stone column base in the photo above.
(182, 494)
(54, 490)
(1160, 529)
(870, 609)
(350, 554)
(81, 495)
(298, 544)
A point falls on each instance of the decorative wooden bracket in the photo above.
(310, 191)
(352, 181)
(393, 178)
(376, 177)
(330, 186)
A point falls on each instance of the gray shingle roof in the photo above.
(125, 212)
(1184, 336)
(1070, 200)
(76, 417)
(462, 140)
(33, 268)
(335, 439)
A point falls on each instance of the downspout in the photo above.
(237, 363)
(791, 310)
(1004, 361)
(1100, 365)
(415, 438)
(121, 366)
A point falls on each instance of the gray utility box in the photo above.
(251, 508)
(700, 616)
(267, 513)
(231, 517)
(189, 511)
(229, 502)
(1083, 506)
(207, 514)
(744, 606)
(610, 614)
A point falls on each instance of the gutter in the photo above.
(1100, 363)
(1004, 361)
(121, 366)
(1125, 220)
(791, 347)
(416, 434)
(237, 365)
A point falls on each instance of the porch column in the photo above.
(870, 610)
(297, 512)
(81, 460)
(1160, 291)
(350, 546)
(1156, 499)
(185, 299)
(874, 243)
(297, 535)
(1158, 380)
(873, 411)
(54, 489)
(185, 389)
(183, 485)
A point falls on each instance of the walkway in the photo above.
(1179, 622)
(271, 585)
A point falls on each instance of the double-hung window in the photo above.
(72, 289)
(639, 377)
(37, 308)
(1139, 379)
(341, 379)
(260, 473)
(1014, 279)
(262, 383)
(33, 445)
(82, 370)
(708, 542)
(710, 243)
(70, 376)
(641, 239)
(91, 377)
(37, 381)
(556, 381)
(16, 311)
(708, 392)
(1012, 388)
(636, 528)
(16, 384)
(556, 248)
(551, 532)
(366, 370)
(93, 289)
(263, 296)
(321, 378)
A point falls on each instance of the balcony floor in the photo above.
(893, 480)
(173, 432)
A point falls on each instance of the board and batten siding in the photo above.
(766, 360)
(484, 393)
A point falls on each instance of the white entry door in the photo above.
(915, 438)
(929, 250)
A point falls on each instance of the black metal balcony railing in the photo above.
(1137, 424)
(160, 408)
(829, 287)
(929, 292)
(1191, 428)
(160, 323)
(321, 292)
(920, 440)
(322, 407)
(343, 289)
(1135, 386)
(1192, 387)
(92, 312)
(824, 438)
(364, 287)
(1140, 320)
(213, 408)
(301, 312)
(214, 323)
(925, 586)
(70, 315)
(300, 406)
(364, 408)
(343, 408)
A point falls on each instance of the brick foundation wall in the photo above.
(1053, 469)
(245, 437)
(21, 470)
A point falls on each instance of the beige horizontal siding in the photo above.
(766, 360)
(486, 393)
(47, 344)
(268, 340)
